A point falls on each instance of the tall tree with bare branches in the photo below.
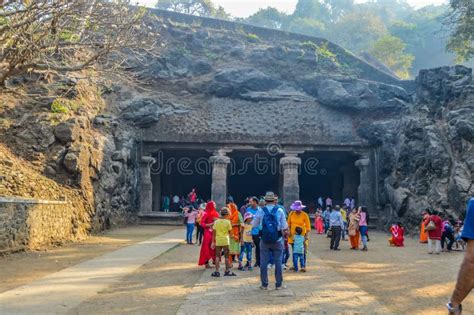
(61, 36)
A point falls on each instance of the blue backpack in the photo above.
(270, 233)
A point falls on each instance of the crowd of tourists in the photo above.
(441, 231)
(263, 234)
(177, 203)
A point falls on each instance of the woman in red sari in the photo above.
(207, 221)
(398, 235)
(319, 223)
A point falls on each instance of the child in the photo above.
(221, 242)
(247, 243)
(299, 248)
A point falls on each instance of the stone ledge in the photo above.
(31, 201)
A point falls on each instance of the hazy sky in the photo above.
(244, 8)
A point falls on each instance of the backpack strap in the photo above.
(265, 210)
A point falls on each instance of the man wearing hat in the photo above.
(268, 249)
(298, 218)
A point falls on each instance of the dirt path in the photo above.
(158, 287)
(406, 280)
(383, 280)
(24, 267)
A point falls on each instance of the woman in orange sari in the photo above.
(423, 233)
(207, 221)
(235, 235)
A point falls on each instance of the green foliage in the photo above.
(391, 51)
(461, 21)
(252, 37)
(60, 106)
(321, 52)
(357, 26)
(269, 17)
(68, 36)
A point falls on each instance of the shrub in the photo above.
(60, 106)
(253, 37)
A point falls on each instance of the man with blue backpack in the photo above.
(273, 224)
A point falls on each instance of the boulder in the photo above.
(71, 162)
(67, 131)
(354, 94)
(235, 82)
(145, 112)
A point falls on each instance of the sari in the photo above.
(354, 234)
(423, 233)
(209, 216)
(319, 224)
(236, 220)
(398, 233)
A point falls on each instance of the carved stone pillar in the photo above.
(219, 164)
(146, 186)
(291, 187)
(364, 191)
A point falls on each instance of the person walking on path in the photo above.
(207, 221)
(363, 226)
(247, 243)
(199, 228)
(253, 209)
(221, 241)
(326, 214)
(423, 232)
(190, 214)
(336, 224)
(319, 223)
(236, 234)
(298, 218)
(299, 250)
(354, 234)
(465, 282)
(274, 226)
(433, 225)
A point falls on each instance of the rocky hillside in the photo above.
(77, 136)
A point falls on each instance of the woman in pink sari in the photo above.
(207, 221)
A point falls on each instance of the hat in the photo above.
(269, 196)
(248, 215)
(297, 205)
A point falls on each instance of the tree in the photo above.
(192, 7)
(220, 13)
(269, 17)
(62, 36)
(390, 50)
(460, 19)
(357, 31)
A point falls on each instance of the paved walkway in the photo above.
(321, 290)
(63, 290)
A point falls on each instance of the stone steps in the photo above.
(160, 218)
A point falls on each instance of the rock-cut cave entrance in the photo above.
(252, 173)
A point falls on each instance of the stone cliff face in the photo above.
(426, 158)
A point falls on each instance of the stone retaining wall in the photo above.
(32, 224)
